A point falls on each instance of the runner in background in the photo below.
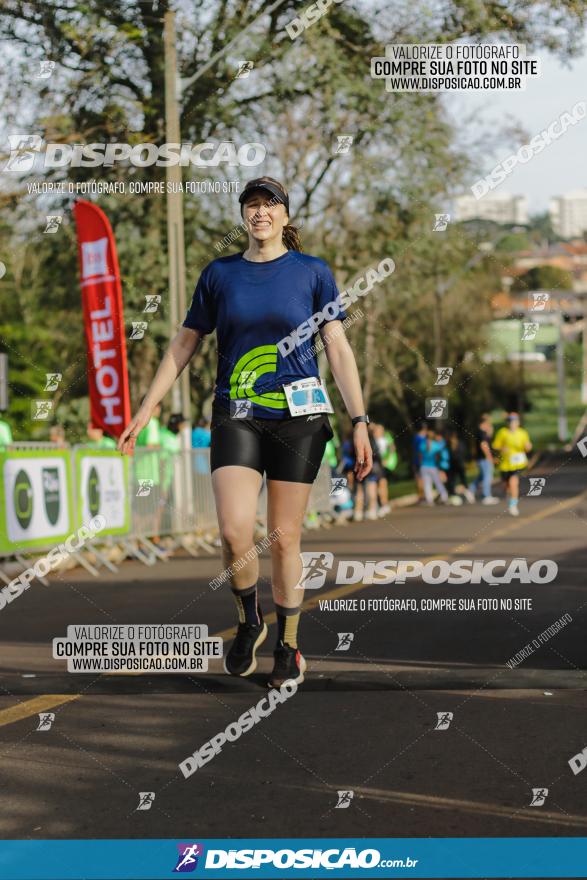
(148, 474)
(312, 520)
(5, 433)
(331, 453)
(201, 439)
(348, 460)
(201, 434)
(442, 455)
(430, 452)
(388, 456)
(57, 436)
(418, 442)
(485, 461)
(170, 436)
(331, 457)
(456, 479)
(98, 439)
(366, 492)
(513, 443)
(170, 440)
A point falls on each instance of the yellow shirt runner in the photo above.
(512, 448)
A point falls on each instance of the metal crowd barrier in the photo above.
(320, 497)
(171, 504)
(318, 503)
(35, 444)
(171, 493)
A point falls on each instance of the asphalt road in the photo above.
(363, 721)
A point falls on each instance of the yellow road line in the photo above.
(510, 813)
(32, 707)
(340, 592)
(428, 801)
(41, 704)
(523, 521)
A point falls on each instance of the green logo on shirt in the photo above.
(252, 365)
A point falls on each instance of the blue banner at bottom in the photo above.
(294, 857)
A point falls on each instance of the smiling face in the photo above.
(264, 218)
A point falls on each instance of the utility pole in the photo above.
(175, 235)
(3, 382)
(584, 374)
(521, 405)
(563, 431)
(439, 291)
(182, 475)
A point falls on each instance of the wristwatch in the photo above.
(358, 419)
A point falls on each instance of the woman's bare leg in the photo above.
(286, 505)
(236, 490)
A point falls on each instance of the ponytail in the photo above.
(291, 238)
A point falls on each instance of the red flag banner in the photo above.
(103, 319)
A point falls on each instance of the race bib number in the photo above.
(306, 397)
(518, 459)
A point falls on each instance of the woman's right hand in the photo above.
(128, 438)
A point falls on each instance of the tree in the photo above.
(543, 278)
(512, 242)
(377, 200)
(541, 230)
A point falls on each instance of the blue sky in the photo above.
(563, 165)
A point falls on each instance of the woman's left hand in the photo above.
(363, 451)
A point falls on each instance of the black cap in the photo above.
(269, 187)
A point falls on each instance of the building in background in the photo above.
(500, 207)
(568, 214)
(570, 256)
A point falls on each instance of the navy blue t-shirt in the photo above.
(253, 307)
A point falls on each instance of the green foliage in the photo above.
(543, 278)
(513, 241)
(541, 419)
(540, 229)
(377, 200)
(574, 361)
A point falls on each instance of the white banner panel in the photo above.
(102, 489)
(36, 492)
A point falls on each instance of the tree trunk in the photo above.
(370, 356)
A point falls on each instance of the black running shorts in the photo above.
(289, 449)
(506, 475)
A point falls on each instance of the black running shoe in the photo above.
(241, 659)
(289, 665)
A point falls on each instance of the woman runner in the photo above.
(263, 420)
(513, 443)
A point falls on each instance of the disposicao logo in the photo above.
(187, 860)
(316, 565)
(329, 859)
(25, 148)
